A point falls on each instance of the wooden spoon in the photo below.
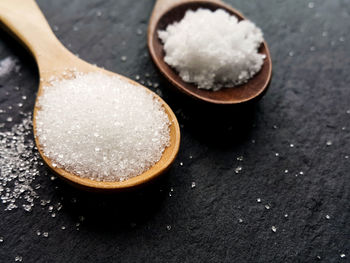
(167, 12)
(24, 19)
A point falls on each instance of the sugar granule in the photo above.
(213, 49)
(19, 166)
(101, 127)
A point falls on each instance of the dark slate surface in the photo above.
(306, 105)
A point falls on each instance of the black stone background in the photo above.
(306, 105)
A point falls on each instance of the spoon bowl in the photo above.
(25, 20)
(167, 12)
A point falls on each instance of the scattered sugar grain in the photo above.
(238, 169)
(107, 129)
(19, 166)
(213, 49)
(18, 259)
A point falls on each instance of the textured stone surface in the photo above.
(306, 106)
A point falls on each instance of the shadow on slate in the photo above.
(218, 126)
(113, 212)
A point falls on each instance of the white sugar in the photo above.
(19, 166)
(101, 127)
(213, 49)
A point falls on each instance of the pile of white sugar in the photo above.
(213, 49)
(101, 127)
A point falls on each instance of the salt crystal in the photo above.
(203, 49)
(193, 185)
(342, 255)
(329, 143)
(168, 227)
(45, 234)
(258, 200)
(131, 124)
(267, 207)
(328, 217)
(274, 229)
(1, 239)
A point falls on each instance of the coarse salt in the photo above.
(213, 49)
(101, 127)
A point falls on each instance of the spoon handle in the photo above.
(24, 19)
